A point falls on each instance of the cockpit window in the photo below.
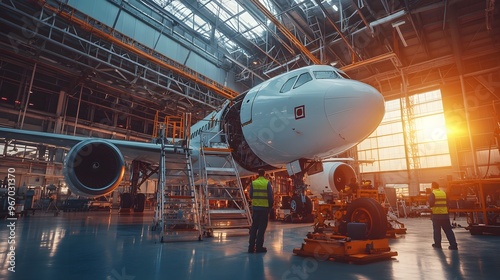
(288, 84)
(303, 78)
(330, 75)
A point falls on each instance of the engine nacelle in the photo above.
(333, 179)
(93, 168)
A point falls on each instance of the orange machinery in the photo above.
(479, 199)
(358, 234)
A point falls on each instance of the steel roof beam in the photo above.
(295, 42)
(182, 71)
(328, 17)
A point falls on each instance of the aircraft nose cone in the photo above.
(354, 110)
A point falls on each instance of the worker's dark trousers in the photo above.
(443, 222)
(260, 218)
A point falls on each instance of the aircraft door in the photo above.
(246, 106)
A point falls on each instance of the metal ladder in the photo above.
(177, 211)
(225, 206)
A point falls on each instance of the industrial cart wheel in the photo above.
(368, 211)
(475, 231)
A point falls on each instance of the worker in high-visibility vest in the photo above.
(261, 194)
(441, 218)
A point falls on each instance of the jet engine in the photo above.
(93, 168)
(333, 179)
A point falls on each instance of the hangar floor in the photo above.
(96, 245)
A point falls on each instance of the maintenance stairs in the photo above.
(177, 211)
(225, 205)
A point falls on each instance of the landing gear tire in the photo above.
(301, 211)
(209, 233)
(126, 200)
(299, 207)
(140, 200)
(368, 211)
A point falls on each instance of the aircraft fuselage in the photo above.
(312, 113)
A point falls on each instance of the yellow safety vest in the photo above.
(259, 197)
(440, 202)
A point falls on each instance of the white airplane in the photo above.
(290, 121)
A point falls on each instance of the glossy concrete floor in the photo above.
(96, 245)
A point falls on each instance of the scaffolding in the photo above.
(225, 206)
(177, 210)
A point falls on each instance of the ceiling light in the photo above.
(335, 8)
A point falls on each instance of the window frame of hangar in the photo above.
(402, 189)
(379, 144)
(385, 142)
(424, 186)
(430, 110)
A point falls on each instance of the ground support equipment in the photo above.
(325, 246)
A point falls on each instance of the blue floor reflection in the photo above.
(96, 245)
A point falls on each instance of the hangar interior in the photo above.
(113, 68)
(74, 69)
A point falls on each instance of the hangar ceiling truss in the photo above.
(383, 42)
(268, 37)
(65, 38)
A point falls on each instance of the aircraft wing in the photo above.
(59, 140)
(132, 150)
(96, 166)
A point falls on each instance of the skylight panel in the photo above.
(236, 18)
(219, 11)
(224, 41)
(201, 26)
(186, 15)
(177, 9)
(228, 12)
